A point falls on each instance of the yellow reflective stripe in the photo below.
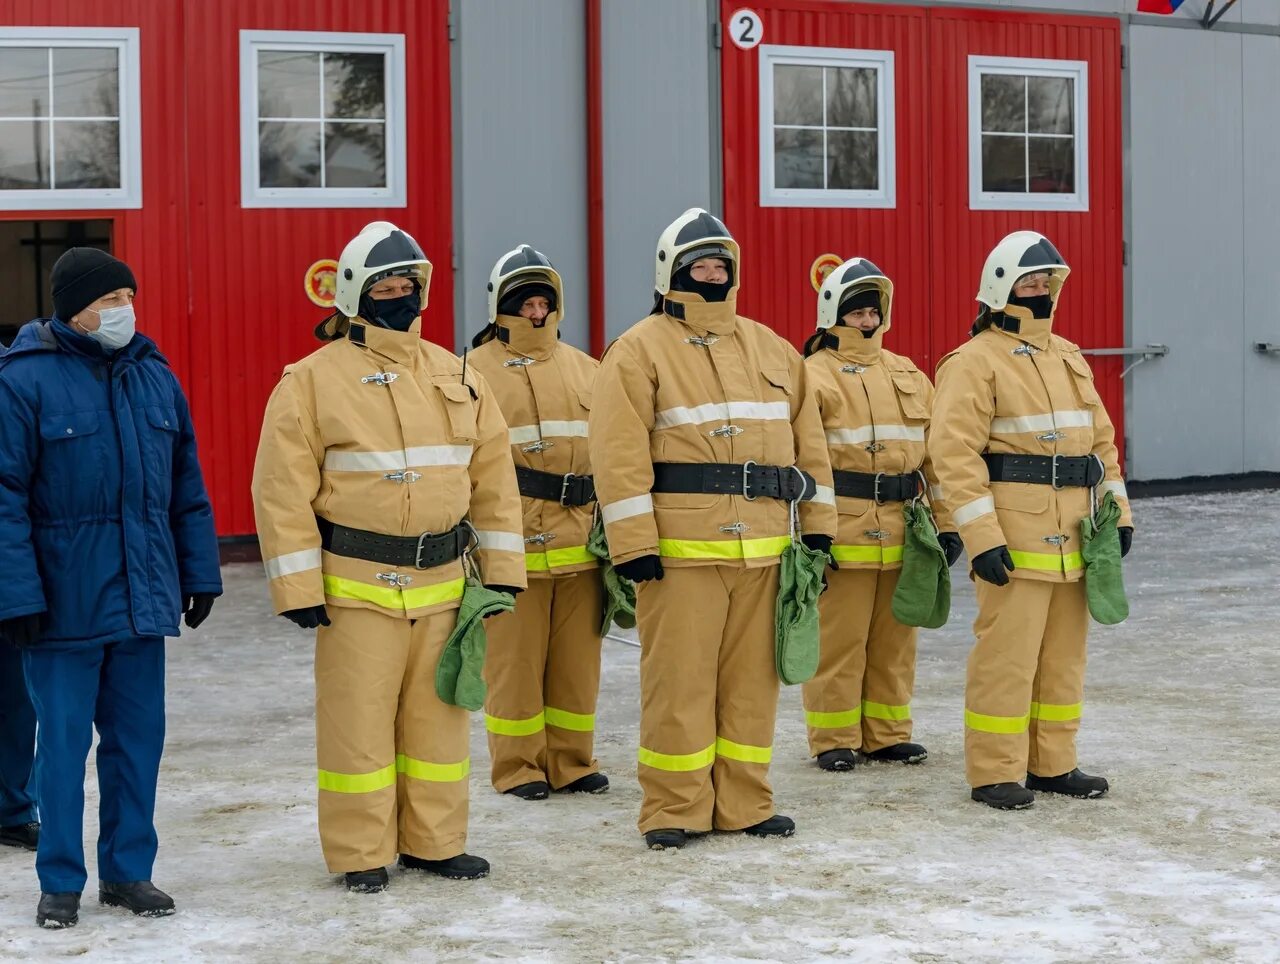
(357, 782)
(1047, 561)
(996, 724)
(555, 558)
(866, 553)
(1056, 712)
(496, 724)
(833, 721)
(435, 772)
(770, 547)
(390, 597)
(883, 711)
(742, 751)
(579, 722)
(678, 762)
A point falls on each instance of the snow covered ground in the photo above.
(1180, 863)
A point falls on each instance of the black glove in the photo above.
(509, 590)
(994, 566)
(1126, 540)
(817, 542)
(308, 618)
(640, 569)
(23, 631)
(196, 608)
(952, 545)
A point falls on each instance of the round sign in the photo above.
(745, 27)
(321, 282)
(822, 266)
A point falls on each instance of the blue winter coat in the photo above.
(104, 518)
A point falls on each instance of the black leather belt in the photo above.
(1059, 471)
(422, 552)
(877, 486)
(729, 478)
(566, 489)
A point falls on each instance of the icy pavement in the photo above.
(1180, 863)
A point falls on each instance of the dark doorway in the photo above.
(28, 250)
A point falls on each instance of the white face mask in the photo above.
(115, 327)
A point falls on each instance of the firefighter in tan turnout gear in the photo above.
(379, 465)
(699, 427)
(1022, 447)
(543, 660)
(875, 410)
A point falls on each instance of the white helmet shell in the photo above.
(522, 265)
(1018, 254)
(695, 234)
(380, 250)
(854, 274)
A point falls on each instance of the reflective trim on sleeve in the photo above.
(502, 541)
(766, 548)
(883, 711)
(1115, 488)
(525, 727)
(564, 720)
(357, 782)
(389, 597)
(432, 772)
(722, 412)
(743, 752)
(866, 553)
(1047, 561)
(626, 508)
(557, 558)
(1056, 712)
(1017, 424)
(880, 433)
(292, 562)
(935, 492)
(976, 509)
(420, 457)
(996, 724)
(826, 495)
(833, 721)
(677, 762)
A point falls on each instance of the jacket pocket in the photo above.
(71, 453)
(779, 378)
(910, 398)
(1082, 378)
(1020, 496)
(461, 410)
(584, 398)
(158, 446)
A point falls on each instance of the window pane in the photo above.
(86, 154)
(24, 155)
(288, 84)
(1053, 165)
(851, 96)
(355, 155)
(86, 82)
(797, 95)
(853, 161)
(24, 82)
(1004, 166)
(1050, 105)
(797, 159)
(288, 154)
(353, 85)
(1004, 103)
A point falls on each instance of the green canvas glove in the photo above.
(619, 592)
(1103, 574)
(460, 672)
(923, 596)
(796, 635)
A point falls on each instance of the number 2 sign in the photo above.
(745, 28)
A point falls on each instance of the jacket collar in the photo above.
(521, 338)
(714, 317)
(396, 346)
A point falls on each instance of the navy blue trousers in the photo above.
(119, 688)
(17, 742)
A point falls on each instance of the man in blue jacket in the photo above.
(106, 537)
(18, 824)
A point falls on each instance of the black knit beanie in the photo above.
(82, 276)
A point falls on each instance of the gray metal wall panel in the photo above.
(521, 166)
(1187, 252)
(657, 145)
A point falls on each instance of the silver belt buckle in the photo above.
(746, 480)
(564, 488)
(875, 489)
(1053, 472)
(417, 556)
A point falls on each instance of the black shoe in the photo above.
(24, 835)
(1073, 784)
(775, 826)
(537, 790)
(899, 753)
(56, 911)
(140, 896)
(461, 867)
(367, 881)
(591, 783)
(669, 839)
(837, 761)
(1004, 796)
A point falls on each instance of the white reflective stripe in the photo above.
(865, 433)
(935, 492)
(1072, 418)
(826, 495)
(504, 541)
(292, 562)
(1116, 488)
(626, 508)
(722, 412)
(523, 434)
(423, 456)
(974, 510)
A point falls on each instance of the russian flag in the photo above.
(1158, 6)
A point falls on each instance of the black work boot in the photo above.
(373, 881)
(837, 761)
(591, 783)
(775, 826)
(56, 911)
(461, 867)
(1004, 796)
(1073, 784)
(537, 790)
(140, 896)
(672, 838)
(899, 753)
(24, 835)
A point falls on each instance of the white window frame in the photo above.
(252, 194)
(881, 61)
(1075, 70)
(129, 193)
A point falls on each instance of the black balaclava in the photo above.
(1040, 306)
(395, 314)
(867, 298)
(682, 280)
(515, 298)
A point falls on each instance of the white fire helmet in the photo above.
(380, 250)
(1018, 254)
(524, 265)
(695, 234)
(856, 274)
